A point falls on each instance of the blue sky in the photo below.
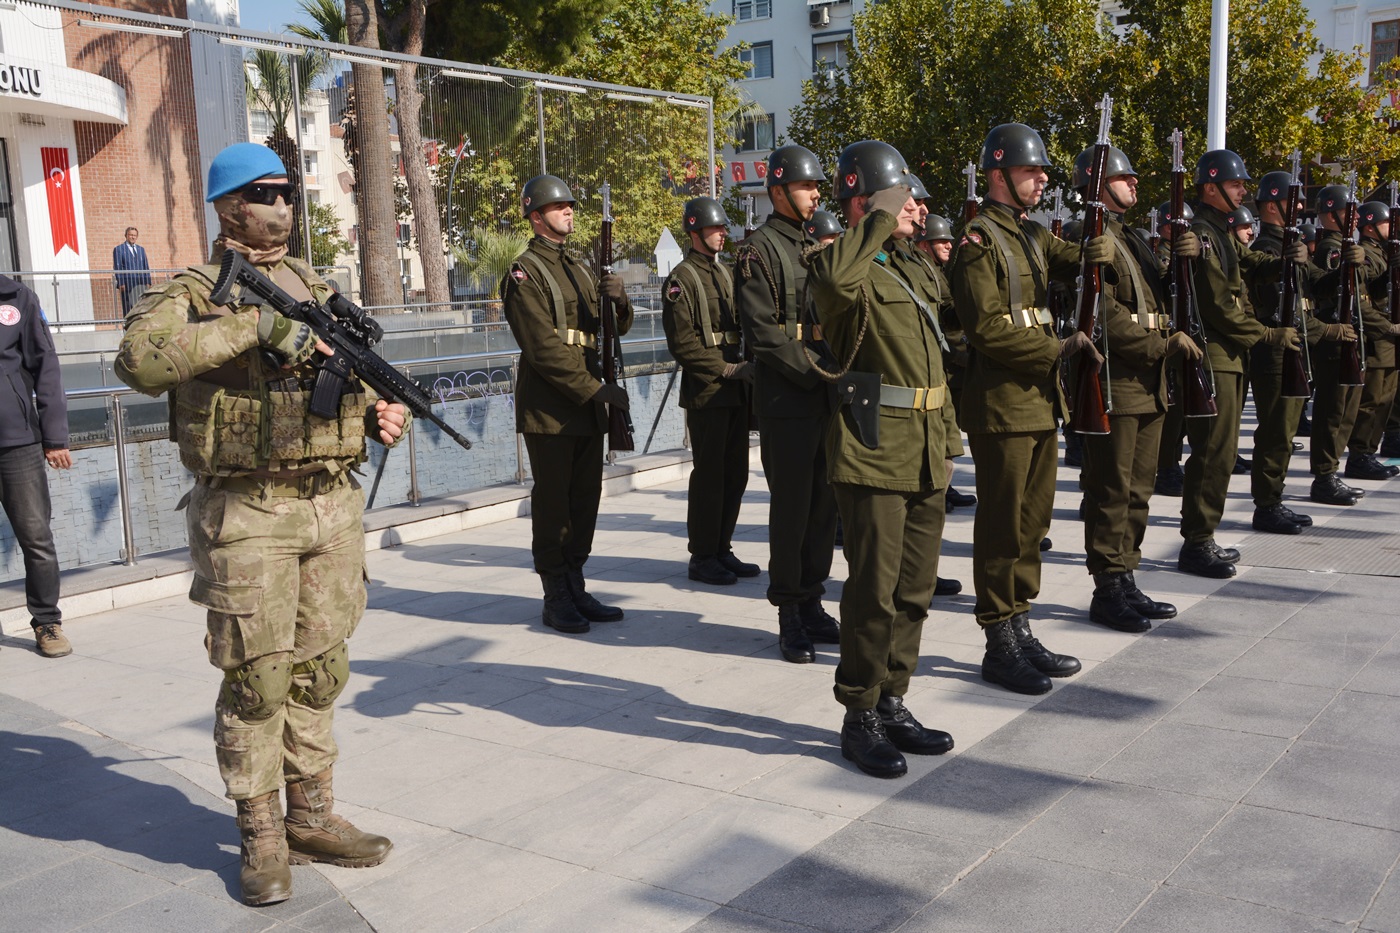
(267, 15)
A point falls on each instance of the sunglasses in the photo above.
(267, 194)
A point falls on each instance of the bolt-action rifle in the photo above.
(1296, 380)
(1350, 365)
(345, 328)
(1088, 408)
(609, 340)
(1199, 389)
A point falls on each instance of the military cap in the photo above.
(936, 229)
(544, 190)
(704, 212)
(1331, 198)
(1372, 213)
(1118, 164)
(240, 165)
(793, 163)
(1219, 165)
(823, 223)
(1274, 187)
(869, 166)
(1013, 144)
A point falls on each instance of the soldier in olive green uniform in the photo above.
(551, 303)
(1277, 415)
(702, 332)
(274, 522)
(793, 404)
(1334, 405)
(1000, 273)
(1219, 281)
(1170, 476)
(1378, 394)
(1120, 467)
(885, 454)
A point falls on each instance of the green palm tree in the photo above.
(268, 81)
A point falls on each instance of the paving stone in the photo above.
(181, 911)
(1351, 784)
(1130, 830)
(1302, 662)
(871, 877)
(1384, 915)
(592, 902)
(92, 888)
(1182, 645)
(1178, 910)
(729, 920)
(1243, 704)
(1051, 897)
(1169, 756)
(1293, 862)
(1364, 721)
(1382, 674)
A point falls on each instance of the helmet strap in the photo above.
(1011, 189)
(1225, 197)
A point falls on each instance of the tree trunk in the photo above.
(421, 195)
(374, 188)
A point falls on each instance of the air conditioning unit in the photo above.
(819, 16)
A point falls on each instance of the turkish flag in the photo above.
(760, 169)
(59, 182)
(736, 170)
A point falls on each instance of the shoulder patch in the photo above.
(518, 273)
(9, 315)
(972, 236)
(673, 290)
(1334, 258)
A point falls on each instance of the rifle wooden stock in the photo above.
(1198, 394)
(1392, 256)
(1349, 371)
(1296, 383)
(1088, 410)
(610, 346)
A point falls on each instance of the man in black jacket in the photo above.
(31, 435)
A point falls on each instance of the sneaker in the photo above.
(51, 640)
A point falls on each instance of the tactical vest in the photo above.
(223, 430)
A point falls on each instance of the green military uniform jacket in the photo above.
(1265, 296)
(1220, 271)
(1380, 348)
(702, 332)
(1134, 309)
(560, 370)
(1011, 383)
(771, 292)
(1327, 263)
(854, 276)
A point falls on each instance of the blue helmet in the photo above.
(239, 165)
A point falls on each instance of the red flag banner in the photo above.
(760, 169)
(736, 171)
(63, 225)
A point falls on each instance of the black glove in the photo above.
(1353, 253)
(1188, 245)
(610, 286)
(615, 396)
(1298, 253)
(1100, 249)
(890, 200)
(740, 371)
(290, 339)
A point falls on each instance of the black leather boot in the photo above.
(1297, 518)
(1110, 606)
(821, 627)
(1041, 658)
(1228, 554)
(1390, 444)
(1171, 481)
(1005, 665)
(1330, 490)
(946, 587)
(793, 642)
(734, 565)
(906, 733)
(1200, 559)
(1364, 466)
(952, 499)
(560, 613)
(587, 606)
(710, 570)
(864, 742)
(1147, 607)
(1274, 520)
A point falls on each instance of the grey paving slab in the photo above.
(1051, 897)
(1382, 673)
(1319, 622)
(1171, 756)
(1178, 910)
(1244, 704)
(592, 902)
(1121, 828)
(1384, 914)
(1351, 784)
(729, 920)
(181, 911)
(1293, 862)
(1182, 645)
(91, 887)
(1364, 721)
(1311, 663)
(863, 878)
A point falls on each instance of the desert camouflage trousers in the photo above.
(284, 582)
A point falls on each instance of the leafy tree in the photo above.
(486, 260)
(268, 80)
(328, 243)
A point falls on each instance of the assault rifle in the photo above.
(1088, 409)
(346, 329)
(609, 340)
(1186, 317)
(1296, 383)
(1349, 367)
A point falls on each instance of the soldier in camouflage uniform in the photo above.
(274, 522)
(551, 303)
(702, 333)
(885, 453)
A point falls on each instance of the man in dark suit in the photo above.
(133, 272)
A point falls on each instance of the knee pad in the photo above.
(317, 682)
(257, 690)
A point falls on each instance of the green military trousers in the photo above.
(1120, 469)
(891, 546)
(568, 472)
(1214, 445)
(1334, 414)
(1015, 496)
(1373, 411)
(801, 508)
(284, 582)
(1273, 437)
(719, 444)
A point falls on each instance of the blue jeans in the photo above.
(24, 494)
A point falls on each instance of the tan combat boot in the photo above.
(315, 834)
(266, 877)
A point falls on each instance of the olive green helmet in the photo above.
(1273, 187)
(1372, 213)
(1165, 216)
(704, 212)
(869, 166)
(1013, 144)
(917, 191)
(1118, 164)
(1331, 198)
(822, 223)
(544, 190)
(1308, 232)
(1240, 217)
(936, 229)
(1219, 165)
(793, 163)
